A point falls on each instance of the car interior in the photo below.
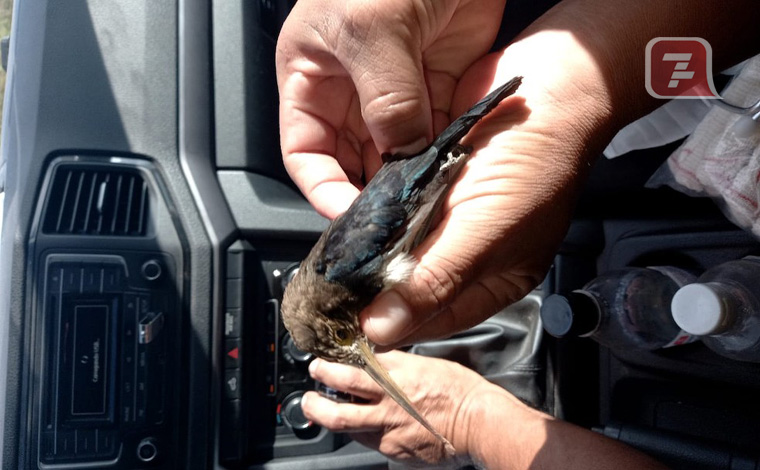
(150, 229)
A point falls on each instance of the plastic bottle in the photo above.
(723, 308)
(621, 309)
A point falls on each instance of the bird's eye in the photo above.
(343, 336)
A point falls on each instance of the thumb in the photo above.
(447, 262)
(470, 266)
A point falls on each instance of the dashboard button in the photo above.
(55, 275)
(233, 353)
(234, 293)
(232, 431)
(234, 264)
(106, 441)
(112, 279)
(91, 277)
(232, 323)
(65, 444)
(232, 384)
(291, 352)
(72, 280)
(151, 270)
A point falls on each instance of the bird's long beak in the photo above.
(381, 376)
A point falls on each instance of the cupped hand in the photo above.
(504, 219)
(382, 425)
(361, 78)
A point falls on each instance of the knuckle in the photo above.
(336, 421)
(439, 283)
(393, 109)
(353, 382)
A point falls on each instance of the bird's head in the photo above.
(323, 318)
(333, 340)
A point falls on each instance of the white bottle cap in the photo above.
(698, 309)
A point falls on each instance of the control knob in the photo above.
(292, 413)
(151, 270)
(291, 351)
(147, 449)
(288, 275)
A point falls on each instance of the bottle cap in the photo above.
(556, 315)
(574, 315)
(698, 309)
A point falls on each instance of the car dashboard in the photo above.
(149, 231)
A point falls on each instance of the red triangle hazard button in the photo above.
(234, 353)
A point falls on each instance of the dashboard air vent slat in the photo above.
(97, 201)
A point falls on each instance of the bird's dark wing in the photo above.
(362, 232)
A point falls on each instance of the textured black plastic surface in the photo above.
(263, 206)
(82, 82)
(350, 457)
(246, 98)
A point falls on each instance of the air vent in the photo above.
(97, 201)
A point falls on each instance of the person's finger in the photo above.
(384, 59)
(322, 180)
(323, 164)
(345, 378)
(341, 417)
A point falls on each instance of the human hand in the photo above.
(363, 77)
(360, 78)
(381, 424)
(487, 425)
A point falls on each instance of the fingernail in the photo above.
(387, 318)
(303, 400)
(313, 367)
(411, 148)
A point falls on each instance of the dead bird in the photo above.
(366, 250)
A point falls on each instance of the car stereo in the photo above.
(106, 325)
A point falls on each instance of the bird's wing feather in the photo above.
(358, 239)
(462, 125)
(360, 235)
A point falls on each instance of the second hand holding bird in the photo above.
(366, 250)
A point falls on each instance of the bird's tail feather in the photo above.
(462, 125)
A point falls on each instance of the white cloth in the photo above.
(721, 159)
